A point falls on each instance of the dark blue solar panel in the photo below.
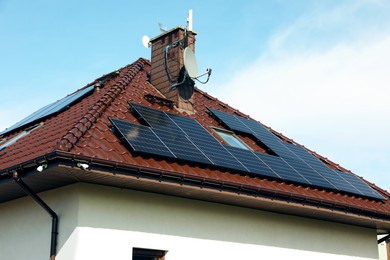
(252, 162)
(185, 139)
(360, 185)
(170, 134)
(323, 170)
(181, 146)
(153, 117)
(285, 171)
(230, 121)
(210, 146)
(242, 124)
(50, 109)
(267, 138)
(141, 139)
(308, 173)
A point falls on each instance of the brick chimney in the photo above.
(173, 43)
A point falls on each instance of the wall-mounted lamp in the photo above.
(83, 166)
(41, 167)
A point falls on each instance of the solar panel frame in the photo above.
(50, 109)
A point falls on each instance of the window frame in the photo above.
(223, 133)
(148, 254)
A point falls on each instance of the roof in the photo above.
(82, 132)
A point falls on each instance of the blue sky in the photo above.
(317, 71)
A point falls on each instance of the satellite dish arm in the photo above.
(208, 72)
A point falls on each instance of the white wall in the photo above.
(25, 228)
(98, 222)
(207, 226)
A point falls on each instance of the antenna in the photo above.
(163, 28)
(146, 41)
(189, 21)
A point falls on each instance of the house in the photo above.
(140, 164)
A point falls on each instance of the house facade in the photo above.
(140, 164)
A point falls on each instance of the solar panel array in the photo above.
(50, 109)
(184, 139)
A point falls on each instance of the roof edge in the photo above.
(67, 142)
(162, 175)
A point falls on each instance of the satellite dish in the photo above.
(146, 41)
(186, 85)
(190, 63)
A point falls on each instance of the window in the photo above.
(231, 139)
(148, 254)
(4, 143)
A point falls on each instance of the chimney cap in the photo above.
(169, 32)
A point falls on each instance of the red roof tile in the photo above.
(84, 130)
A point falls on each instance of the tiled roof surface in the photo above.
(84, 130)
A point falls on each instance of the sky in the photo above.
(316, 71)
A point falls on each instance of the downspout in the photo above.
(54, 217)
(385, 238)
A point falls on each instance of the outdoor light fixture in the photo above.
(41, 167)
(83, 166)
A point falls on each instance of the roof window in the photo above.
(5, 143)
(231, 139)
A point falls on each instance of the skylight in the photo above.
(19, 136)
(231, 139)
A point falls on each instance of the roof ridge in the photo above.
(84, 124)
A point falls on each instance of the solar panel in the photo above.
(183, 138)
(181, 146)
(141, 139)
(285, 171)
(309, 174)
(153, 117)
(267, 138)
(324, 170)
(252, 162)
(242, 124)
(50, 109)
(230, 121)
(360, 185)
(210, 146)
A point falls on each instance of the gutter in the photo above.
(54, 217)
(182, 178)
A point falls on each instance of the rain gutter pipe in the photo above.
(385, 238)
(54, 217)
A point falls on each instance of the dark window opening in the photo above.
(148, 254)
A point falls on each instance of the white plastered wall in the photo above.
(98, 222)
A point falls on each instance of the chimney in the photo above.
(168, 66)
